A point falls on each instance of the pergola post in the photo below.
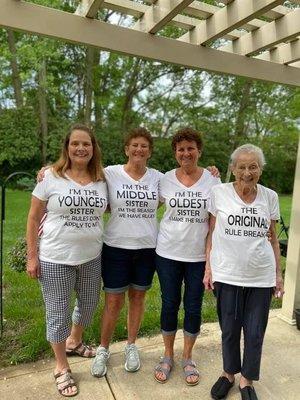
(291, 299)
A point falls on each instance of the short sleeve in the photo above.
(160, 188)
(212, 202)
(160, 174)
(41, 191)
(107, 171)
(274, 206)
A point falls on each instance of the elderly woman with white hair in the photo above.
(243, 267)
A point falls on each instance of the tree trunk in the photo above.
(240, 126)
(90, 56)
(100, 82)
(43, 113)
(98, 91)
(129, 95)
(16, 80)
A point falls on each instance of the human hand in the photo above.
(41, 173)
(279, 289)
(33, 267)
(214, 171)
(207, 280)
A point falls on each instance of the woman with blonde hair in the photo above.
(68, 257)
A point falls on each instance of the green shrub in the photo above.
(26, 183)
(16, 258)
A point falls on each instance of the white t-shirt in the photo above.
(73, 229)
(133, 205)
(241, 252)
(184, 226)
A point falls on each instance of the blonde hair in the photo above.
(94, 166)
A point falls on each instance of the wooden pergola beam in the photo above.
(254, 24)
(269, 35)
(228, 18)
(88, 8)
(126, 7)
(195, 9)
(277, 12)
(204, 10)
(283, 54)
(159, 14)
(28, 17)
(200, 10)
(137, 10)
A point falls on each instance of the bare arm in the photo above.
(35, 215)
(208, 283)
(279, 289)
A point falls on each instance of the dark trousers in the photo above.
(172, 274)
(247, 309)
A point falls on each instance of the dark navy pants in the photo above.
(247, 309)
(172, 274)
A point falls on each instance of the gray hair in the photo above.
(248, 148)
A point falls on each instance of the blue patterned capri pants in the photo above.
(58, 281)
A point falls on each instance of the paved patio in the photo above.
(280, 372)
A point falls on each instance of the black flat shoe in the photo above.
(221, 388)
(248, 393)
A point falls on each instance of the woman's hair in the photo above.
(139, 132)
(95, 164)
(189, 134)
(248, 148)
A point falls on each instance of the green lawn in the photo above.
(24, 329)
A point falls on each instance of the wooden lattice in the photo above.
(258, 39)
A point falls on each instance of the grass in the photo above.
(24, 327)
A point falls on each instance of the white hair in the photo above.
(248, 148)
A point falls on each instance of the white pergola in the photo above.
(257, 39)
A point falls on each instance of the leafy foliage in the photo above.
(18, 139)
(116, 93)
(26, 183)
(16, 257)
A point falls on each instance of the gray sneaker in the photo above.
(98, 367)
(132, 358)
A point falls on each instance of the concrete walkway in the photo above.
(280, 372)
